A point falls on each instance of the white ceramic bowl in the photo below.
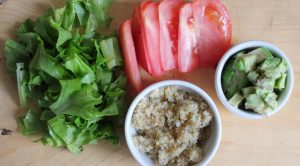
(282, 98)
(210, 147)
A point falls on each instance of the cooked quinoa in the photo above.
(171, 126)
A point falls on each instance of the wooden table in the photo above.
(273, 141)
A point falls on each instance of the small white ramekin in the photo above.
(283, 97)
(210, 147)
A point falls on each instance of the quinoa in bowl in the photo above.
(173, 123)
(170, 125)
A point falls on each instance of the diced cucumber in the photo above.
(240, 65)
(249, 62)
(238, 81)
(252, 76)
(283, 67)
(227, 75)
(266, 83)
(267, 110)
(262, 91)
(280, 83)
(236, 99)
(262, 54)
(269, 64)
(240, 54)
(271, 100)
(255, 103)
(247, 91)
(273, 73)
(275, 69)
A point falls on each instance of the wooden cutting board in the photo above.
(269, 142)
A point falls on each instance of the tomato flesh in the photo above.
(150, 30)
(188, 58)
(204, 34)
(173, 34)
(213, 31)
(129, 55)
(169, 20)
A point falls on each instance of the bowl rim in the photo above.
(237, 48)
(218, 123)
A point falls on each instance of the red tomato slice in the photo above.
(168, 19)
(187, 41)
(213, 31)
(204, 34)
(150, 29)
(139, 39)
(129, 56)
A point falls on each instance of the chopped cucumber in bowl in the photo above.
(254, 79)
(259, 69)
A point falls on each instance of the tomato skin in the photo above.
(177, 34)
(213, 31)
(139, 39)
(129, 55)
(204, 34)
(187, 41)
(150, 29)
(169, 20)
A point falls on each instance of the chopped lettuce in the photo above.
(31, 123)
(21, 80)
(72, 74)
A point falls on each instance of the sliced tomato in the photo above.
(188, 58)
(204, 34)
(150, 30)
(139, 39)
(129, 55)
(213, 31)
(168, 19)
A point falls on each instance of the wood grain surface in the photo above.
(271, 142)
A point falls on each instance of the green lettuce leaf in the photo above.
(30, 40)
(77, 65)
(72, 75)
(98, 14)
(67, 88)
(31, 123)
(21, 80)
(14, 53)
(111, 51)
(63, 35)
(83, 99)
(25, 27)
(48, 64)
(69, 16)
(81, 13)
